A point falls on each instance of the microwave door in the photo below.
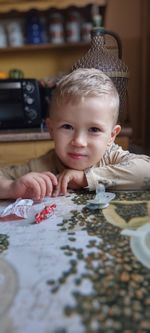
(11, 111)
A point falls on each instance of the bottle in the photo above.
(73, 27)
(15, 33)
(56, 29)
(34, 28)
(86, 31)
(3, 36)
(100, 57)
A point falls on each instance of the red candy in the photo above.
(45, 213)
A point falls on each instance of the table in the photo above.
(75, 272)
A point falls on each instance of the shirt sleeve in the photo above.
(40, 164)
(14, 171)
(120, 170)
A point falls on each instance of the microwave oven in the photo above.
(23, 103)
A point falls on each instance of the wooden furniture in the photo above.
(18, 147)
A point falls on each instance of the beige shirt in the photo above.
(118, 169)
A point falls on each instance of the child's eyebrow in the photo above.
(97, 124)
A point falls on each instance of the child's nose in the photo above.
(79, 140)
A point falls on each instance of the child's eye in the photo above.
(67, 126)
(94, 130)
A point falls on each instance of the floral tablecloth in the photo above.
(75, 272)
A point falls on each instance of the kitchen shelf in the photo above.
(23, 6)
(30, 47)
(16, 9)
(47, 46)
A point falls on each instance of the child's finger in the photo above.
(39, 190)
(52, 177)
(28, 185)
(64, 183)
(56, 191)
(46, 186)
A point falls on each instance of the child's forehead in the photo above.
(84, 99)
(102, 102)
(86, 105)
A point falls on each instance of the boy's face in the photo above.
(82, 131)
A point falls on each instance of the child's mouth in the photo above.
(76, 156)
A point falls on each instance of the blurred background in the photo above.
(43, 39)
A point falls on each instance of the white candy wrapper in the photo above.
(22, 208)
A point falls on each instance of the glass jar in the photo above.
(73, 27)
(3, 36)
(15, 33)
(56, 28)
(34, 28)
(86, 31)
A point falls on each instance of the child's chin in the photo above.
(74, 166)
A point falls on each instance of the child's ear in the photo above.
(116, 130)
(49, 126)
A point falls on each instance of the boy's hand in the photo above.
(33, 185)
(72, 179)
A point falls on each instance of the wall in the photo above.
(125, 18)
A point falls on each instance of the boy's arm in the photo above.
(7, 176)
(121, 170)
(42, 163)
(5, 185)
(32, 185)
(10, 176)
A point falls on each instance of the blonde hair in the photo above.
(82, 83)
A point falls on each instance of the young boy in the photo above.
(83, 124)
